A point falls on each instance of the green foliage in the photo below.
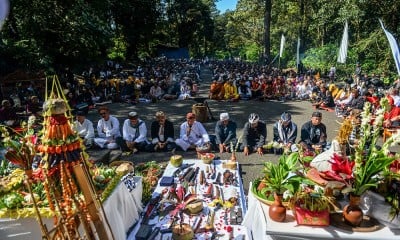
(118, 51)
(321, 57)
(280, 176)
(251, 52)
(51, 34)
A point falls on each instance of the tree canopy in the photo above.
(56, 34)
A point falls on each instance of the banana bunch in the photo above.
(218, 201)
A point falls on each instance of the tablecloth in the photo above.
(123, 208)
(259, 223)
(240, 232)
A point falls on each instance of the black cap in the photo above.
(80, 113)
(316, 114)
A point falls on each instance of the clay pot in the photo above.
(352, 212)
(277, 211)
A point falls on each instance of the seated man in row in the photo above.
(8, 114)
(162, 134)
(134, 133)
(313, 134)
(192, 134)
(230, 91)
(217, 90)
(225, 132)
(108, 131)
(84, 128)
(254, 135)
(285, 132)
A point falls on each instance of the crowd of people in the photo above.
(161, 79)
(151, 81)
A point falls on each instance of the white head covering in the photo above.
(224, 116)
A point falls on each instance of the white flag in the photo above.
(4, 8)
(298, 52)
(282, 44)
(393, 46)
(344, 44)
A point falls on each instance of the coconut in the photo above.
(195, 206)
(182, 232)
(124, 168)
(176, 160)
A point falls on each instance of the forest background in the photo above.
(49, 35)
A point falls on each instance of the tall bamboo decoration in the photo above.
(66, 175)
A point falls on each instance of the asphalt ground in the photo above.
(250, 166)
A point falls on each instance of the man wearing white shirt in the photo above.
(107, 130)
(134, 133)
(192, 134)
(84, 128)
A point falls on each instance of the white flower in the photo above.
(366, 120)
(378, 120)
(395, 138)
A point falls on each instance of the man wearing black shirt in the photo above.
(254, 135)
(313, 134)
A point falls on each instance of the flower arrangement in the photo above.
(311, 207)
(369, 159)
(20, 146)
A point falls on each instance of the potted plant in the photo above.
(278, 178)
(369, 160)
(311, 207)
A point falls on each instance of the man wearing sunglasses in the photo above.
(107, 130)
(192, 134)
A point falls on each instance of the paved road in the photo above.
(251, 166)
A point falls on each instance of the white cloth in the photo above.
(85, 130)
(123, 208)
(396, 100)
(133, 134)
(346, 100)
(198, 136)
(321, 161)
(262, 227)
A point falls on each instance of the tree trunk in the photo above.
(267, 28)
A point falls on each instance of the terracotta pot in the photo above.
(352, 212)
(277, 211)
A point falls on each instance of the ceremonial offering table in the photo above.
(262, 227)
(217, 192)
(122, 209)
